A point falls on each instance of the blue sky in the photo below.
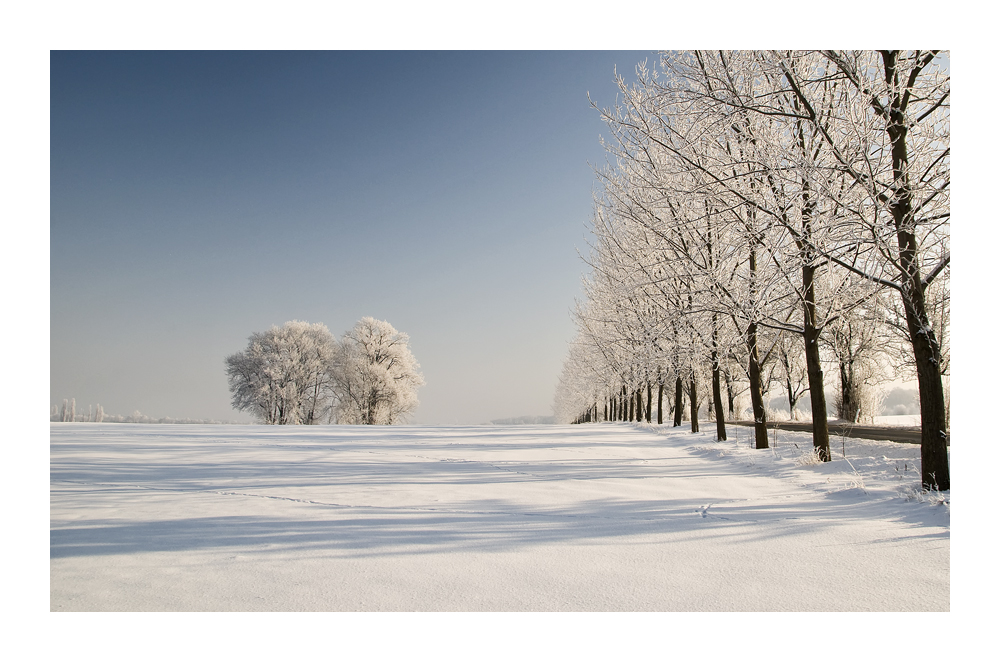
(197, 197)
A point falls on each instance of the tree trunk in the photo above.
(934, 470)
(720, 413)
(730, 397)
(817, 396)
(659, 403)
(649, 402)
(786, 363)
(756, 397)
(850, 393)
(791, 397)
(678, 401)
(694, 402)
(810, 321)
(753, 362)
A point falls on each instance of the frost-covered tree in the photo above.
(581, 394)
(374, 375)
(283, 376)
(860, 343)
(756, 169)
(791, 369)
(299, 373)
(755, 194)
(890, 142)
(684, 175)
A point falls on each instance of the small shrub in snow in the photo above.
(919, 495)
(777, 414)
(809, 458)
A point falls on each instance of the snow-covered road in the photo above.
(550, 518)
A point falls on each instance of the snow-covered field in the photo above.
(608, 517)
(911, 420)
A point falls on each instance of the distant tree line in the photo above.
(68, 414)
(765, 214)
(300, 374)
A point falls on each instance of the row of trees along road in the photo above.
(299, 373)
(763, 213)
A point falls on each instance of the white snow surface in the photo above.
(599, 517)
(905, 420)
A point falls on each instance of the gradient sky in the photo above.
(197, 197)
